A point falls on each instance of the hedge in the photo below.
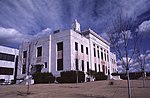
(100, 76)
(43, 78)
(71, 77)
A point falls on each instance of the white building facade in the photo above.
(64, 51)
(8, 64)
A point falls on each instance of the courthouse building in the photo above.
(67, 50)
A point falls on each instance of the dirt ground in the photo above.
(99, 89)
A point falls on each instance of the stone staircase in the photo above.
(25, 80)
(116, 78)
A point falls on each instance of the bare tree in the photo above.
(28, 63)
(141, 56)
(122, 40)
(141, 60)
(31, 46)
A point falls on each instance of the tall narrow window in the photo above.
(76, 46)
(76, 62)
(81, 48)
(102, 55)
(99, 67)
(60, 46)
(103, 69)
(88, 67)
(24, 57)
(108, 72)
(105, 56)
(59, 64)
(24, 62)
(82, 65)
(39, 51)
(45, 64)
(23, 69)
(60, 56)
(94, 52)
(95, 68)
(106, 69)
(98, 53)
(87, 51)
(24, 54)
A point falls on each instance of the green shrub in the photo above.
(2, 80)
(71, 77)
(91, 73)
(43, 78)
(100, 76)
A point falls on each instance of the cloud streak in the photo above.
(32, 16)
(22, 20)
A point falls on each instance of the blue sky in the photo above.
(24, 19)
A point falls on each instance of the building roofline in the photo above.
(1, 46)
(96, 35)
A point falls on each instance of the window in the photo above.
(76, 46)
(106, 69)
(60, 56)
(82, 65)
(98, 53)
(45, 64)
(99, 67)
(39, 51)
(105, 56)
(108, 72)
(23, 69)
(87, 51)
(59, 46)
(6, 71)
(81, 48)
(88, 67)
(101, 55)
(103, 69)
(7, 57)
(59, 64)
(76, 64)
(94, 52)
(95, 68)
(24, 54)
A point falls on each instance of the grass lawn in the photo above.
(99, 89)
